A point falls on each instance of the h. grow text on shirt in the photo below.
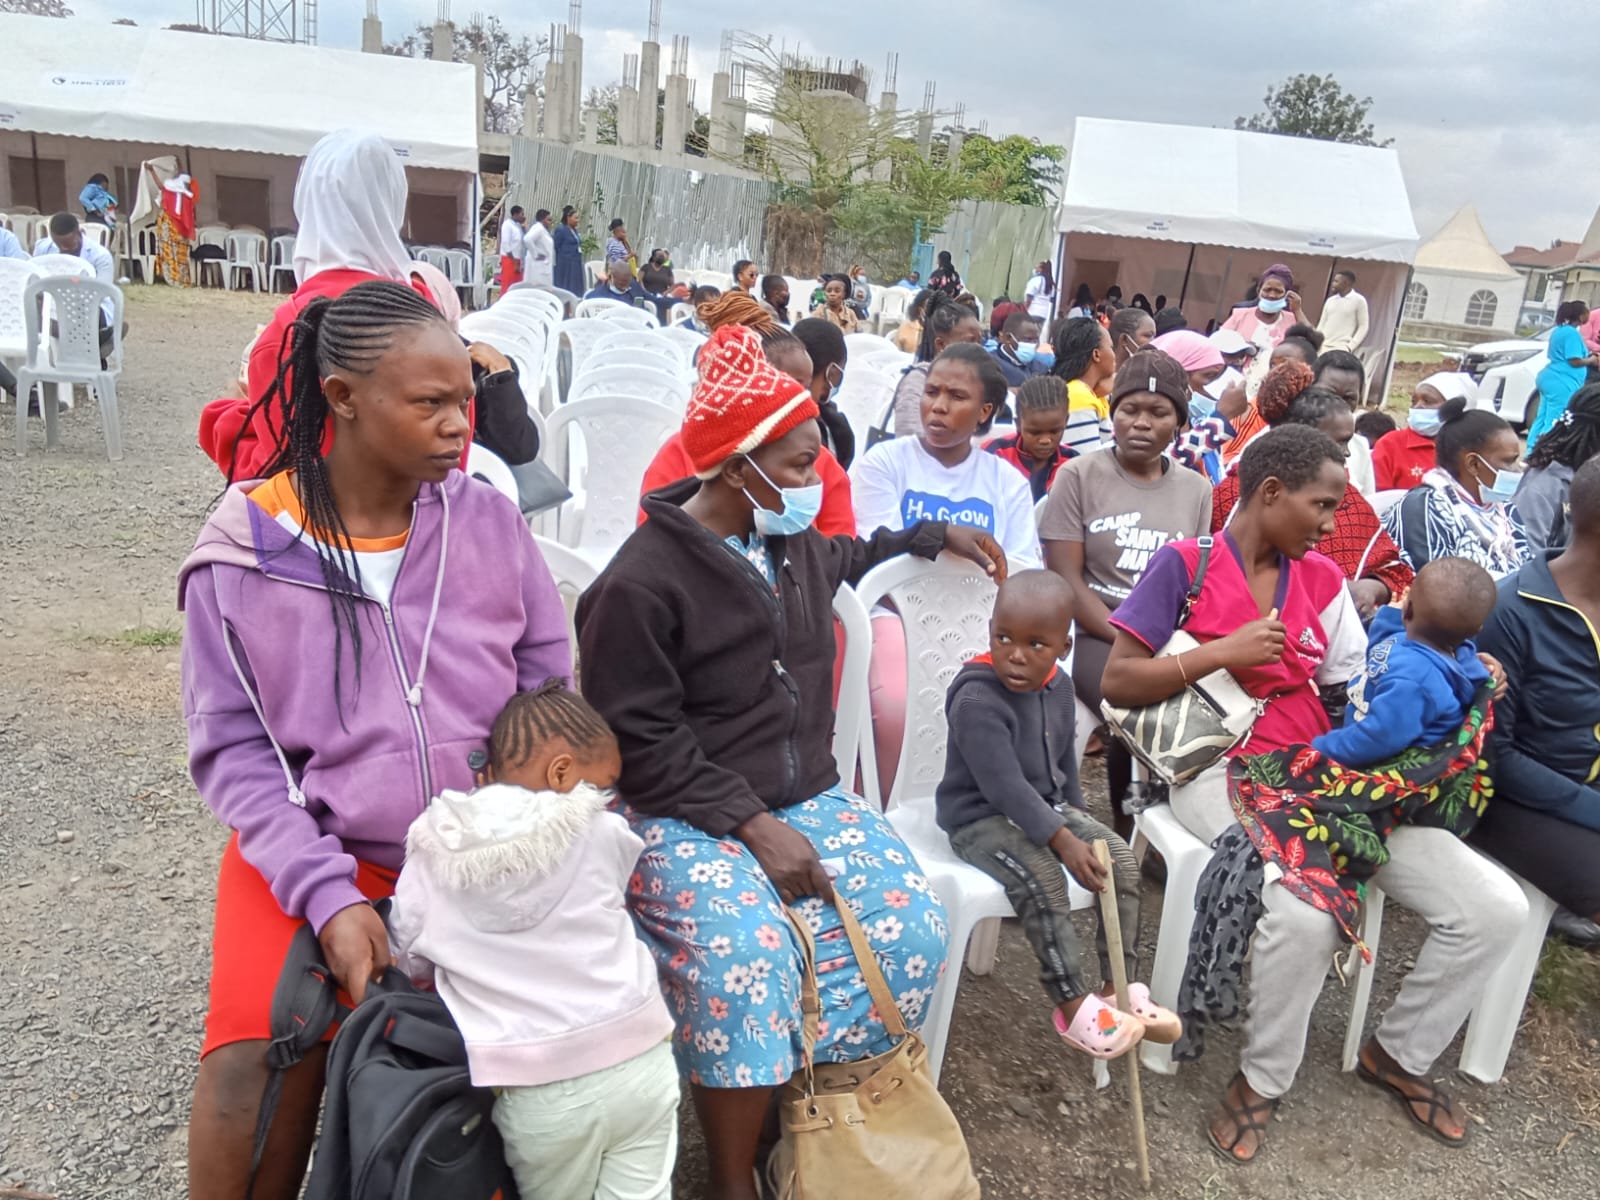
(971, 511)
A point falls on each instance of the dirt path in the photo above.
(108, 858)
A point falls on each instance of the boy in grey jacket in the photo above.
(1011, 803)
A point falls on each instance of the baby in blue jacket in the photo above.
(1423, 667)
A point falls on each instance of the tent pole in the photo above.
(1183, 292)
(1394, 344)
(38, 189)
(1327, 289)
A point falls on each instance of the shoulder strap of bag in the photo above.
(810, 993)
(304, 1004)
(1205, 543)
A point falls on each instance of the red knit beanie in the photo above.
(741, 401)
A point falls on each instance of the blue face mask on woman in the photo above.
(1424, 421)
(1504, 488)
(1272, 306)
(800, 508)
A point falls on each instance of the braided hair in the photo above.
(550, 711)
(1283, 383)
(1075, 339)
(350, 333)
(1041, 393)
(940, 316)
(1575, 437)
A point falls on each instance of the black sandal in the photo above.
(1245, 1120)
(1436, 1101)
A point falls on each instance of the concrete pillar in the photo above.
(553, 110)
(628, 117)
(958, 138)
(649, 99)
(591, 126)
(925, 134)
(888, 118)
(721, 118)
(371, 35)
(675, 116)
(444, 41)
(572, 86)
(530, 112)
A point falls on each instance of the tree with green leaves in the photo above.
(36, 8)
(1314, 106)
(511, 65)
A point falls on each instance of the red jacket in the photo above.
(1040, 474)
(1355, 528)
(838, 515)
(1401, 459)
(223, 421)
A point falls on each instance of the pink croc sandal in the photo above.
(1161, 1025)
(1099, 1030)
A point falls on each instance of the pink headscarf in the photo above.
(1194, 351)
(445, 297)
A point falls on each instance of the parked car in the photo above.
(1506, 373)
(1535, 320)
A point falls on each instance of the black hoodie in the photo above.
(1009, 754)
(720, 692)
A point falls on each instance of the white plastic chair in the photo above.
(1493, 1025)
(862, 396)
(577, 337)
(572, 574)
(30, 228)
(944, 607)
(891, 304)
(76, 303)
(594, 271)
(281, 261)
(851, 711)
(63, 266)
(667, 387)
(15, 276)
(458, 269)
(619, 438)
(488, 466)
(436, 255)
(95, 232)
(145, 249)
(618, 311)
(247, 252)
(687, 340)
(210, 235)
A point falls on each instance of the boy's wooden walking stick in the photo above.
(1119, 976)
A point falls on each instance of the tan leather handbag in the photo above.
(876, 1129)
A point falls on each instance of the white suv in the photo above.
(1506, 374)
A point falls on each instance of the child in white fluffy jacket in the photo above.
(511, 902)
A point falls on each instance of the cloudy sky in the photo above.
(1489, 102)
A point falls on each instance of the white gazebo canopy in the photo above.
(1223, 187)
(81, 78)
(1195, 214)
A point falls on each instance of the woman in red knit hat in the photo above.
(708, 646)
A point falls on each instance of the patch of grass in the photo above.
(1568, 978)
(1410, 352)
(144, 637)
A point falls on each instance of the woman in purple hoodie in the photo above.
(355, 620)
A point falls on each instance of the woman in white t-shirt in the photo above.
(1040, 295)
(939, 475)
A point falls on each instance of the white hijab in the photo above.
(350, 201)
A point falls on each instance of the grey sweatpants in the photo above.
(1472, 905)
(1037, 888)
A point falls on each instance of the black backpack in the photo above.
(401, 1120)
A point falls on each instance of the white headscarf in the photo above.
(350, 201)
(1452, 385)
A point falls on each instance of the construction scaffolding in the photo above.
(264, 20)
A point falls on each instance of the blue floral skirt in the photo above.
(730, 963)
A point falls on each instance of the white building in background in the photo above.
(1461, 286)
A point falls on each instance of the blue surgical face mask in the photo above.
(1504, 487)
(991, 344)
(1026, 352)
(1045, 358)
(1424, 421)
(800, 508)
(1201, 406)
(1272, 306)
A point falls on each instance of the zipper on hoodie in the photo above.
(405, 686)
(791, 767)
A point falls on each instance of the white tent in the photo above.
(1462, 280)
(80, 97)
(1195, 214)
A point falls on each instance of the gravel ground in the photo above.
(107, 861)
